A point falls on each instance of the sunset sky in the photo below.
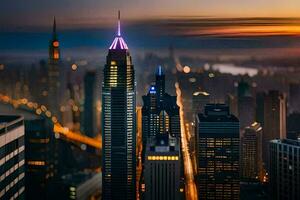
(25, 25)
(37, 12)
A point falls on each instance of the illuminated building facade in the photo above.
(12, 157)
(162, 168)
(251, 153)
(217, 153)
(274, 120)
(119, 123)
(54, 72)
(41, 156)
(284, 169)
(160, 113)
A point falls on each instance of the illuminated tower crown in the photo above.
(118, 123)
(54, 53)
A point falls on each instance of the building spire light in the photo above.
(118, 42)
(119, 23)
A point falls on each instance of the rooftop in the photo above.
(287, 141)
(217, 113)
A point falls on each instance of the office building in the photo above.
(89, 125)
(251, 153)
(12, 157)
(160, 113)
(217, 153)
(246, 104)
(162, 168)
(284, 169)
(294, 98)
(81, 185)
(274, 121)
(41, 155)
(119, 123)
(260, 107)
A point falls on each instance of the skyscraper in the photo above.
(251, 153)
(160, 111)
(294, 98)
(12, 157)
(274, 121)
(118, 122)
(217, 153)
(162, 168)
(284, 169)
(53, 72)
(246, 104)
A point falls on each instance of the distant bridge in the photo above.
(58, 128)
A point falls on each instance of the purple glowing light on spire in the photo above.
(118, 42)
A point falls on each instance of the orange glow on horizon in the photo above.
(239, 31)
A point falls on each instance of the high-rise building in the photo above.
(217, 153)
(232, 102)
(260, 107)
(41, 156)
(274, 121)
(12, 157)
(160, 111)
(89, 125)
(294, 98)
(119, 122)
(53, 73)
(251, 153)
(162, 168)
(246, 104)
(284, 169)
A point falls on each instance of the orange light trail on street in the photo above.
(190, 187)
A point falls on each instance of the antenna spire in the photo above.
(54, 25)
(54, 28)
(119, 23)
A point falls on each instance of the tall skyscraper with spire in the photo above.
(54, 53)
(118, 123)
(53, 72)
(160, 111)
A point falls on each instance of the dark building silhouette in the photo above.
(274, 121)
(246, 104)
(293, 126)
(217, 153)
(53, 93)
(284, 169)
(41, 157)
(160, 113)
(294, 98)
(260, 107)
(12, 157)
(118, 123)
(90, 104)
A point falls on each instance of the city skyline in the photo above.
(200, 103)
